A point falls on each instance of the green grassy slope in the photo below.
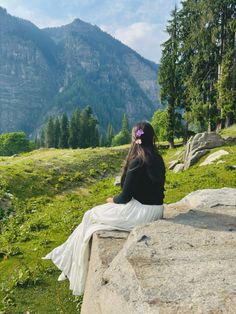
(52, 189)
(230, 131)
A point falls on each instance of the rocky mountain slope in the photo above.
(47, 71)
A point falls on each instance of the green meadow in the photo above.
(46, 192)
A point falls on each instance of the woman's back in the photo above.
(144, 181)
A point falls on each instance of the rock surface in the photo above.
(198, 145)
(184, 263)
(5, 203)
(178, 168)
(106, 245)
(205, 198)
(173, 163)
(214, 156)
(230, 140)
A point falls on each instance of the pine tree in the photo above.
(64, 126)
(42, 138)
(226, 89)
(206, 62)
(124, 136)
(84, 122)
(57, 132)
(89, 131)
(36, 142)
(110, 134)
(102, 140)
(74, 129)
(169, 75)
(50, 133)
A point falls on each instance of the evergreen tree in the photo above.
(226, 89)
(74, 129)
(36, 142)
(57, 132)
(50, 133)
(124, 136)
(84, 122)
(42, 138)
(198, 65)
(89, 131)
(102, 140)
(64, 126)
(110, 134)
(169, 75)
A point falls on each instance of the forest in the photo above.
(198, 67)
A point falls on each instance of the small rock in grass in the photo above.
(220, 162)
(178, 168)
(214, 156)
(173, 163)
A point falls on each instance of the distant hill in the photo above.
(48, 71)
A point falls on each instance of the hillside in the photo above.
(49, 71)
(51, 191)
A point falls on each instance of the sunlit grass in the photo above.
(230, 131)
(52, 190)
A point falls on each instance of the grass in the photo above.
(29, 283)
(230, 131)
(215, 175)
(52, 189)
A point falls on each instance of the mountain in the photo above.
(48, 71)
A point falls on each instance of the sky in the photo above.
(140, 24)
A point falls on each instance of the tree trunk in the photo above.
(171, 144)
(170, 123)
(234, 65)
(185, 139)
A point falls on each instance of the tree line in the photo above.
(80, 131)
(198, 67)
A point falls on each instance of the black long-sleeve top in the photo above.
(140, 185)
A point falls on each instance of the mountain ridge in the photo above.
(52, 70)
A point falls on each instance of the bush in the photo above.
(124, 136)
(121, 138)
(159, 123)
(14, 143)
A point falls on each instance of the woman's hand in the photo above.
(110, 200)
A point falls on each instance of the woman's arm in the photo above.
(129, 184)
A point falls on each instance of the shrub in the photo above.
(14, 143)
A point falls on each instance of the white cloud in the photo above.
(145, 38)
(137, 23)
(35, 15)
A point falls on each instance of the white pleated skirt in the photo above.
(72, 257)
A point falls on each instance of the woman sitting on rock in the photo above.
(140, 202)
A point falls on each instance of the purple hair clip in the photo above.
(138, 134)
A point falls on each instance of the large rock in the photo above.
(182, 264)
(203, 198)
(230, 140)
(199, 144)
(106, 245)
(214, 156)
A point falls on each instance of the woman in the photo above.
(140, 202)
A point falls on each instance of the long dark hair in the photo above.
(142, 150)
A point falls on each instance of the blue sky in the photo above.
(140, 24)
